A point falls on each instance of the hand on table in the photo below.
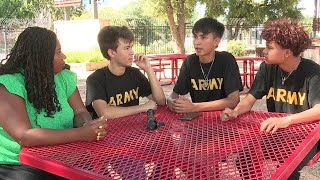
(181, 105)
(94, 130)
(150, 105)
(273, 124)
(228, 114)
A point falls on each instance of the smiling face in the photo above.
(205, 44)
(123, 55)
(274, 53)
(59, 57)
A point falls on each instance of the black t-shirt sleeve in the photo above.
(259, 85)
(314, 90)
(183, 84)
(95, 89)
(144, 84)
(232, 78)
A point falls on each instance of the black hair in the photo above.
(33, 56)
(208, 25)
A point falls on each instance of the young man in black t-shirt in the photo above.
(290, 83)
(212, 78)
(114, 91)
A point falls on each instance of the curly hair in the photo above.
(288, 34)
(32, 56)
(108, 38)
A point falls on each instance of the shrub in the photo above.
(91, 55)
(236, 48)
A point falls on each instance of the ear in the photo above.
(288, 53)
(217, 40)
(110, 52)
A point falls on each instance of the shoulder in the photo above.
(16, 79)
(14, 83)
(67, 74)
(132, 70)
(99, 73)
(225, 56)
(309, 66)
(191, 59)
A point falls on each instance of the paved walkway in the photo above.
(307, 173)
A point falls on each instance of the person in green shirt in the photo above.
(41, 102)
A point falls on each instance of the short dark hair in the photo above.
(288, 34)
(108, 38)
(208, 25)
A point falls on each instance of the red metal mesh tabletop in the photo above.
(204, 148)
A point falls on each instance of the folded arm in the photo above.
(110, 112)
(181, 104)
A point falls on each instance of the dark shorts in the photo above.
(24, 172)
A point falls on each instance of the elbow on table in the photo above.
(25, 142)
(162, 101)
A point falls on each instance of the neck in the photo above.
(207, 58)
(290, 64)
(116, 69)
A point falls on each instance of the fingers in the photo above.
(228, 114)
(139, 57)
(269, 125)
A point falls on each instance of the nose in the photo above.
(64, 56)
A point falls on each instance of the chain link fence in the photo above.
(10, 30)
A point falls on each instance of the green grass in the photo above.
(91, 55)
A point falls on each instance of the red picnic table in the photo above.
(173, 58)
(204, 148)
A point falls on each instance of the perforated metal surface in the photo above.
(204, 148)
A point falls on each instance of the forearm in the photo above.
(47, 137)
(81, 118)
(216, 105)
(112, 112)
(309, 115)
(245, 105)
(156, 89)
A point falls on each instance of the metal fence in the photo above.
(7, 39)
(148, 39)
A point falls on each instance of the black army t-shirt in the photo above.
(224, 78)
(300, 91)
(123, 90)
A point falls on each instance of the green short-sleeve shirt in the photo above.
(65, 82)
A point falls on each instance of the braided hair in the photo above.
(32, 56)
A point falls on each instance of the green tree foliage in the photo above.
(248, 13)
(29, 9)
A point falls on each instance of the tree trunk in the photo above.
(177, 32)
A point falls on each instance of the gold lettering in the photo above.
(135, 92)
(281, 93)
(212, 83)
(220, 80)
(301, 98)
(112, 102)
(201, 84)
(292, 96)
(271, 94)
(127, 97)
(119, 99)
(194, 84)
